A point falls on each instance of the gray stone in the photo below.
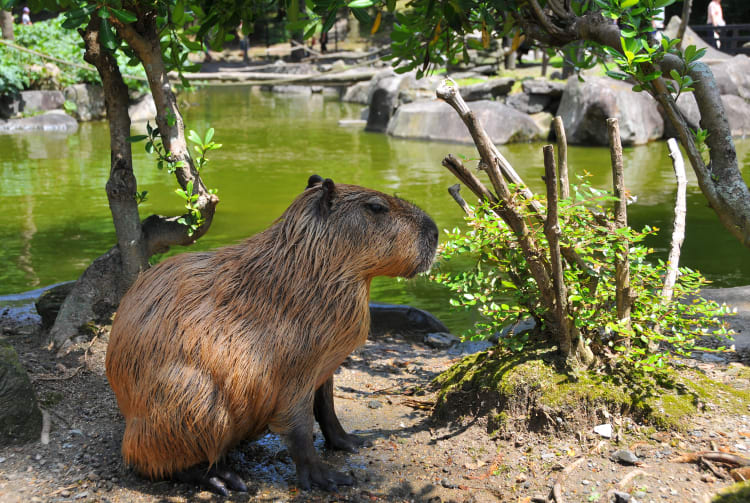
(142, 109)
(604, 430)
(20, 417)
(403, 319)
(543, 121)
(292, 89)
(383, 95)
(54, 120)
(357, 93)
(440, 340)
(436, 120)
(10, 106)
(518, 328)
(374, 404)
(41, 101)
(620, 497)
(543, 86)
(48, 304)
(470, 347)
(89, 101)
(733, 76)
(585, 107)
(625, 457)
(528, 103)
(736, 108)
(691, 38)
(492, 88)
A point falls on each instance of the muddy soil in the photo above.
(380, 394)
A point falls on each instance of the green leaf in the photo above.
(178, 13)
(194, 137)
(125, 16)
(360, 4)
(107, 36)
(136, 138)
(103, 13)
(628, 3)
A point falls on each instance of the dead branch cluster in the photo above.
(512, 201)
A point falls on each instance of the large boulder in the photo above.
(358, 93)
(528, 103)
(436, 120)
(142, 109)
(383, 97)
(492, 88)
(585, 107)
(20, 417)
(737, 110)
(40, 101)
(48, 304)
(54, 120)
(733, 76)
(89, 101)
(553, 89)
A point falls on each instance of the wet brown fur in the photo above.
(208, 349)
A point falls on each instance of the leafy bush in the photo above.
(500, 286)
(21, 70)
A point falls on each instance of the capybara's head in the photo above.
(361, 230)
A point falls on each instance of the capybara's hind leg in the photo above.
(311, 471)
(216, 478)
(335, 435)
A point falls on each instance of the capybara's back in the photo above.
(207, 349)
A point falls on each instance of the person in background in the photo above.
(716, 18)
(25, 16)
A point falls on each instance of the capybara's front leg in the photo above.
(335, 435)
(216, 478)
(311, 471)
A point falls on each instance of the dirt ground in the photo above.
(379, 395)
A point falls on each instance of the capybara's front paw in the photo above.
(320, 476)
(346, 442)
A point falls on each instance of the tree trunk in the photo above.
(98, 291)
(6, 24)
(687, 5)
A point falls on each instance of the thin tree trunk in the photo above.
(687, 5)
(562, 157)
(678, 231)
(6, 24)
(622, 264)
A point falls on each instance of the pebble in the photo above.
(548, 456)
(604, 430)
(65, 493)
(621, 497)
(585, 482)
(2, 460)
(374, 404)
(625, 457)
(82, 495)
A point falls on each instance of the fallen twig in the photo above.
(418, 404)
(718, 457)
(710, 466)
(557, 488)
(629, 477)
(45, 427)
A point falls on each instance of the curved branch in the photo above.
(143, 38)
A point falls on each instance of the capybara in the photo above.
(208, 349)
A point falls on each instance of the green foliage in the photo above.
(193, 219)
(498, 284)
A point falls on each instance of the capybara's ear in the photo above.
(313, 180)
(326, 197)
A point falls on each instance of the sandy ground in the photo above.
(379, 395)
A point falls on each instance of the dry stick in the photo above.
(718, 457)
(562, 157)
(455, 192)
(468, 178)
(622, 267)
(557, 488)
(678, 232)
(45, 427)
(552, 231)
(712, 468)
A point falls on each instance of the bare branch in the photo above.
(622, 266)
(562, 157)
(455, 192)
(678, 232)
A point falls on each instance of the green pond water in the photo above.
(55, 217)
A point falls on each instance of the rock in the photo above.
(374, 404)
(48, 304)
(604, 430)
(691, 38)
(543, 121)
(620, 497)
(440, 340)
(492, 88)
(544, 87)
(10, 106)
(733, 76)
(20, 417)
(292, 89)
(518, 328)
(55, 120)
(401, 319)
(625, 457)
(469, 347)
(89, 101)
(736, 108)
(383, 96)
(585, 107)
(40, 101)
(352, 122)
(436, 120)
(142, 109)
(358, 93)
(528, 103)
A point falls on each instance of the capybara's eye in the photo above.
(376, 207)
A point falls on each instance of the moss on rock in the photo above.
(737, 493)
(534, 390)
